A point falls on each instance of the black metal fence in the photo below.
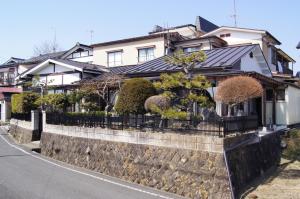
(21, 116)
(219, 127)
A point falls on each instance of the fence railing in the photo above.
(21, 116)
(218, 127)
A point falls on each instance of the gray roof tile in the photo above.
(218, 57)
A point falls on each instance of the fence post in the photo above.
(34, 120)
(44, 115)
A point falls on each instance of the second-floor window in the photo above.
(1, 77)
(191, 49)
(146, 54)
(114, 58)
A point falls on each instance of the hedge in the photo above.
(24, 102)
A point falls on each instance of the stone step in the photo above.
(33, 146)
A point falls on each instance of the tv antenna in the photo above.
(234, 14)
(54, 45)
(91, 36)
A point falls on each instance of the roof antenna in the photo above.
(234, 15)
(91, 36)
(54, 45)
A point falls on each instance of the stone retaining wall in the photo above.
(174, 140)
(23, 135)
(190, 173)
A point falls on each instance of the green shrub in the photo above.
(24, 102)
(133, 95)
(55, 102)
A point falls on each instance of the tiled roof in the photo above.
(82, 65)
(216, 58)
(43, 57)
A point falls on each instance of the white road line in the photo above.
(86, 174)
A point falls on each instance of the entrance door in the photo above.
(259, 110)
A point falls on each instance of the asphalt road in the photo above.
(27, 175)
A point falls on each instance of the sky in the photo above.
(26, 24)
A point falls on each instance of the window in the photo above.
(84, 54)
(269, 94)
(146, 54)
(1, 77)
(191, 49)
(76, 55)
(114, 58)
(225, 35)
(11, 78)
(273, 55)
(280, 95)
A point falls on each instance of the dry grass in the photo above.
(285, 182)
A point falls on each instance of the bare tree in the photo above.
(101, 85)
(46, 47)
(235, 90)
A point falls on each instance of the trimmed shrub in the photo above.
(133, 95)
(24, 102)
(157, 101)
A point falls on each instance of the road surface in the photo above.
(27, 175)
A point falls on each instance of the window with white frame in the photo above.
(191, 49)
(145, 54)
(114, 58)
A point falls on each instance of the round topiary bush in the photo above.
(157, 101)
(133, 95)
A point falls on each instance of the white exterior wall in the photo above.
(88, 59)
(130, 51)
(57, 78)
(281, 113)
(292, 97)
(239, 37)
(257, 63)
(269, 113)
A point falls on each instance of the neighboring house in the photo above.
(60, 74)
(278, 60)
(161, 41)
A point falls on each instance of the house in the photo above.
(230, 51)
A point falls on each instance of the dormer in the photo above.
(80, 53)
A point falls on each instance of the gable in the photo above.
(255, 61)
(49, 66)
(52, 68)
